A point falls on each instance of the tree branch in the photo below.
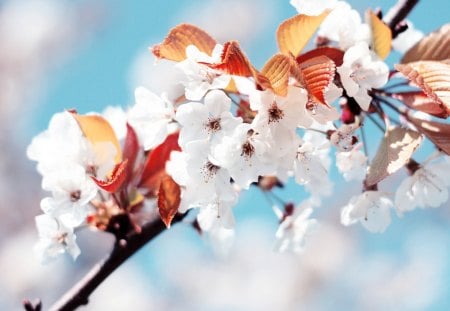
(401, 10)
(123, 249)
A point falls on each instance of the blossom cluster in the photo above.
(231, 127)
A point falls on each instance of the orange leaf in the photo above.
(395, 151)
(96, 129)
(155, 165)
(294, 33)
(435, 46)
(234, 61)
(168, 199)
(381, 36)
(438, 133)
(317, 74)
(432, 77)
(117, 179)
(336, 55)
(179, 38)
(278, 69)
(418, 100)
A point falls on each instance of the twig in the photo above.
(79, 294)
(401, 10)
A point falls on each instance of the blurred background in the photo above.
(61, 54)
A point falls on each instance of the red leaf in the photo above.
(317, 74)
(117, 179)
(130, 151)
(438, 133)
(168, 199)
(336, 55)
(155, 165)
(418, 100)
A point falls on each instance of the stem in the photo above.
(401, 10)
(79, 294)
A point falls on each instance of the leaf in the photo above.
(294, 33)
(155, 165)
(179, 38)
(438, 133)
(381, 36)
(395, 150)
(168, 199)
(435, 46)
(96, 129)
(233, 61)
(317, 74)
(130, 150)
(277, 70)
(418, 100)
(432, 77)
(336, 55)
(117, 179)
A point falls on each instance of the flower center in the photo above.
(213, 125)
(275, 113)
(209, 170)
(75, 196)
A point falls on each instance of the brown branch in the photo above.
(401, 10)
(79, 294)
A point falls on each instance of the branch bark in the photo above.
(79, 294)
(401, 10)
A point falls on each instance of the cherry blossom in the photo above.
(352, 164)
(54, 239)
(371, 209)
(427, 187)
(245, 155)
(150, 117)
(294, 229)
(212, 120)
(312, 7)
(362, 71)
(199, 78)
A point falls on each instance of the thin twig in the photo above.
(79, 294)
(401, 11)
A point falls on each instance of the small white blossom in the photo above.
(352, 164)
(199, 78)
(371, 209)
(407, 39)
(427, 187)
(54, 239)
(295, 229)
(244, 155)
(344, 25)
(211, 120)
(361, 71)
(150, 117)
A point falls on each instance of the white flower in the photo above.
(245, 155)
(54, 239)
(216, 214)
(206, 182)
(343, 138)
(57, 146)
(344, 26)
(312, 7)
(371, 209)
(295, 229)
(311, 165)
(150, 117)
(352, 164)
(427, 187)
(360, 72)
(72, 191)
(212, 120)
(199, 78)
